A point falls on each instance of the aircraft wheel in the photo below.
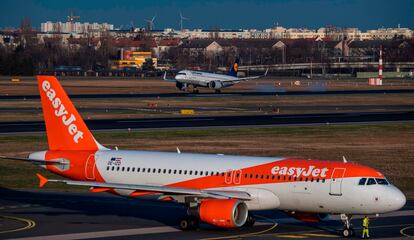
(188, 223)
(348, 232)
(218, 91)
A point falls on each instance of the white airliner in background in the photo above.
(187, 78)
(220, 190)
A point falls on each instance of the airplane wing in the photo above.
(168, 79)
(247, 78)
(157, 189)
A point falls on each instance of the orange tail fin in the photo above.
(64, 126)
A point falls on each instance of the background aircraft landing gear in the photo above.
(348, 231)
(218, 91)
(195, 90)
(188, 223)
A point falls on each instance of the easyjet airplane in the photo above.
(217, 189)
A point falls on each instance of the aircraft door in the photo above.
(228, 177)
(336, 181)
(90, 167)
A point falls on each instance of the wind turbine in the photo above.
(182, 18)
(151, 23)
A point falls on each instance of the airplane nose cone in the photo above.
(398, 199)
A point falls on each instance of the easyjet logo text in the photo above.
(310, 171)
(60, 111)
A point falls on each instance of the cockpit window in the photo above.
(362, 181)
(181, 74)
(371, 181)
(382, 181)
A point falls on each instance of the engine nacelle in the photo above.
(181, 86)
(224, 213)
(308, 217)
(215, 84)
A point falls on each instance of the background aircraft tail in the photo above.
(234, 69)
(65, 128)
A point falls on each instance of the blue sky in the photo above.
(231, 14)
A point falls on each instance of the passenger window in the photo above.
(164, 171)
(382, 181)
(251, 175)
(169, 171)
(261, 176)
(191, 172)
(159, 170)
(323, 180)
(138, 169)
(362, 181)
(128, 169)
(267, 177)
(245, 175)
(123, 168)
(154, 170)
(257, 175)
(295, 178)
(175, 171)
(179, 172)
(185, 172)
(273, 177)
(371, 181)
(196, 172)
(278, 177)
(290, 178)
(113, 168)
(107, 168)
(133, 169)
(117, 168)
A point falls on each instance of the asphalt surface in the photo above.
(224, 94)
(220, 121)
(42, 214)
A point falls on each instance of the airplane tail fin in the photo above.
(65, 128)
(234, 69)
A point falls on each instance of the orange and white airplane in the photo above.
(217, 189)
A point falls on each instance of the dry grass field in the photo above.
(386, 147)
(28, 86)
(23, 110)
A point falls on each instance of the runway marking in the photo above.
(402, 232)
(172, 120)
(30, 224)
(289, 236)
(275, 224)
(106, 234)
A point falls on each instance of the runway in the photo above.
(221, 121)
(224, 94)
(42, 214)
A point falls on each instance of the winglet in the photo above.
(42, 180)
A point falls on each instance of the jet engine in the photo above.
(215, 84)
(181, 86)
(224, 213)
(308, 217)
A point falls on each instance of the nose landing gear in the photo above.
(348, 231)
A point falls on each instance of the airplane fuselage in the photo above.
(274, 183)
(204, 79)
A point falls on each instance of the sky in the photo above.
(212, 14)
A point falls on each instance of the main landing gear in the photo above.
(348, 231)
(217, 91)
(188, 223)
(249, 221)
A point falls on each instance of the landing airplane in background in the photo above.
(186, 78)
(217, 189)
